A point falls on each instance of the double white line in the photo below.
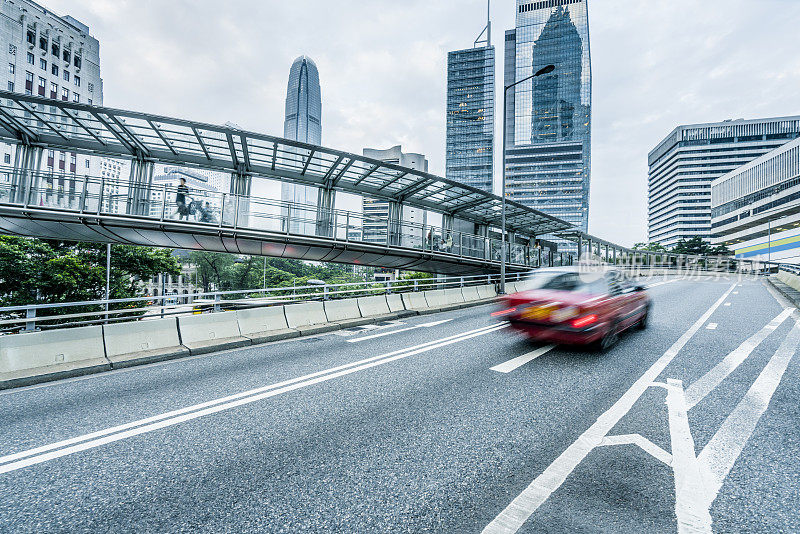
(38, 455)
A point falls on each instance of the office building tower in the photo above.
(683, 166)
(56, 57)
(470, 113)
(548, 125)
(375, 227)
(303, 123)
(755, 209)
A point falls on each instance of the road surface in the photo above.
(440, 423)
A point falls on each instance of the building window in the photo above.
(42, 84)
(31, 37)
(62, 161)
(12, 50)
(64, 94)
(11, 87)
(54, 69)
(53, 90)
(7, 158)
(87, 163)
(51, 158)
(66, 55)
(77, 80)
(55, 49)
(77, 62)
(12, 69)
(43, 43)
(73, 163)
(76, 98)
(66, 75)
(90, 101)
(91, 87)
(31, 59)
(42, 64)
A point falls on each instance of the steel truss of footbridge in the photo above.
(30, 206)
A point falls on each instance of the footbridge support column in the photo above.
(25, 182)
(326, 200)
(237, 205)
(140, 185)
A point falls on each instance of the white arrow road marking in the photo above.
(640, 441)
(45, 453)
(519, 361)
(689, 488)
(526, 503)
(373, 336)
(708, 382)
(724, 449)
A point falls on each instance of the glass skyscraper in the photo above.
(470, 116)
(303, 123)
(549, 117)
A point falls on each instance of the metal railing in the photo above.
(106, 196)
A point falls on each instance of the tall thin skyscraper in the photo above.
(303, 123)
(549, 123)
(470, 113)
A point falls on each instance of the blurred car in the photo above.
(580, 305)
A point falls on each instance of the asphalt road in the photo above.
(408, 428)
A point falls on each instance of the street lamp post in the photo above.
(546, 70)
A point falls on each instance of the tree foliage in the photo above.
(697, 246)
(34, 270)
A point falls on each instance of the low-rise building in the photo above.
(755, 209)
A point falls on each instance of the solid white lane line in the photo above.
(382, 334)
(708, 382)
(96, 439)
(721, 453)
(519, 361)
(520, 509)
(640, 441)
(689, 489)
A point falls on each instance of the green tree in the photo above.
(696, 246)
(651, 247)
(33, 270)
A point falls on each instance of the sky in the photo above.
(656, 64)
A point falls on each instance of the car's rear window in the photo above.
(566, 281)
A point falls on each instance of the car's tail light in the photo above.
(504, 312)
(583, 322)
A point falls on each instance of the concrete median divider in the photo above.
(454, 298)
(375, 307)
(211, 332)
(415, 301)
(41, 356)
(487, 291)
(396, 305)
(309, 318)
(436, 298)
(142, 342)
(345, 313)
(263, 325)
(470, 294)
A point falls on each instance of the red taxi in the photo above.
(576, 306)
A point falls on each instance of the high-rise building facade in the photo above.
(375, 227)
(549, 117)
(690, 158)
(755, 209)
(470, 114)
(55, 57)
(303, 123)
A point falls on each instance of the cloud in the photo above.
(656, 64)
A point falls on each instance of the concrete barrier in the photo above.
(376, 306)
(141, 342)
(41, 356)
(263, 325)
(309, 318)
(487, 291)
(345, 313)
(211, 332)
(789, 279)
(454, 297)
(415, 301)
(470, 294)
(436, 298)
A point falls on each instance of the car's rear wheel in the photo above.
(642, 324)
(610, 338)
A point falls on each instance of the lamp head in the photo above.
(545, 70)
